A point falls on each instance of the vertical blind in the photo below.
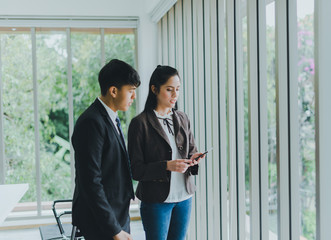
(249, 187)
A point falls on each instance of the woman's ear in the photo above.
(153, 88)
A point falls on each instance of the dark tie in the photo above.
(118, 123)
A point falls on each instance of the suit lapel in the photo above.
(152, 119)
(176, 123)
(112, 126)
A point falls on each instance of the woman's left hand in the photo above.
(199, 156)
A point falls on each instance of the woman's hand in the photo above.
(179, 165)
(199, 156)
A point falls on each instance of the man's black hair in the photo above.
(117, 73)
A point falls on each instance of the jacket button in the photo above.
(170, 151)
(180, 147)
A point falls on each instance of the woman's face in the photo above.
(169, 92)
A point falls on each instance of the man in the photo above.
(103, 177)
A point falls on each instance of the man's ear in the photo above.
(113, 91)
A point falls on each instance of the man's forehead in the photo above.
(129, 86)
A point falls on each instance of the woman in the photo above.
(162, 153)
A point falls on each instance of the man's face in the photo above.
(124, 97)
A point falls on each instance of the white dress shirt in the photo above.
(177, 192)
(111, 113)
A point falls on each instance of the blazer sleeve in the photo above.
(192, 148)
(142, 171)
(88, 140)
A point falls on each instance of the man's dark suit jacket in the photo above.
(149, 149)
(103, 183)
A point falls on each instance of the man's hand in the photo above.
(179, 165)
(123, 236)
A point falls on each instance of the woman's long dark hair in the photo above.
(159, 77)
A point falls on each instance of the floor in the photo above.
(33, 233)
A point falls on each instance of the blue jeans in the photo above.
(166, 221)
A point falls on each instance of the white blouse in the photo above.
(177, 191)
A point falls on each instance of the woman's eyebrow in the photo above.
(173, 86)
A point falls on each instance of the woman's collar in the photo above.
(168, 115)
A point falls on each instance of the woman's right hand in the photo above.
(179, 165)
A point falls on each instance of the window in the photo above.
(49, 77)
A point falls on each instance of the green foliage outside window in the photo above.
(86, 63)
(306, 103)
(19, 129)
(307, 125)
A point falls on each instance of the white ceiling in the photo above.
(78, 7)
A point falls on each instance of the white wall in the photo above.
(147, 56)
(149, 5)
(147, 30)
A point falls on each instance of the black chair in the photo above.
(60, 231)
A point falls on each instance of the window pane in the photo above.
(19, 135)
(246, 115)
(86, 64)
(271, 90)
(53, 115)
(122, 46)
(307, 117)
